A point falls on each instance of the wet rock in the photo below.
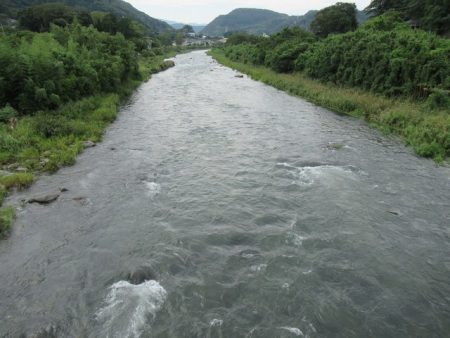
(335, 146)
(239, 76)
(48, 332)
(169, 63)
(81, 200)
(63, 189)
(45, 199)
(141, 274)
(44, 161)
(89, 144)
(5, 173)
(112, 148)
(395, 212)
(12, 166)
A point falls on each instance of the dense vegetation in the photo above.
(410, 68)
(340, 18)
(61, 82)
(433, 15)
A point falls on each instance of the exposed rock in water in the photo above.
(141, 274)
(81, 200)
(395, 212)
(335, 146)
(239, 76)
(48, 332)
(169, 64)
(46, 199)
(89, 144)
(62, 189)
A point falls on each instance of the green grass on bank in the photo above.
(7, 216)
(426, 130)
(50, 140)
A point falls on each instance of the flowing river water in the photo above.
(218, 206)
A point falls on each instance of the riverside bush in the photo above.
(42, 71)
(384, 56)
(394, 62)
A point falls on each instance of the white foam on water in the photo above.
(216, 322)
(308, 175)
(258, 268)
(286, 165)
(286, 286)
(293, 330)
(128, 308)
(153, 189)
(295, 239)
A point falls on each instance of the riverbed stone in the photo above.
(81, 200)
(44, 199)
(44, 161)
(239, 76)
(141, 274)
(89, 144)
(169, 63)
(12, 166)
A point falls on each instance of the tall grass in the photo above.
(7, 216)
(425, 129)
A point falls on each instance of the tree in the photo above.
(187, 29)
(431, 15)
(339, 18)
(39, 18)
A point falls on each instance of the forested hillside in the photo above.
(260, 21)
(118, 7)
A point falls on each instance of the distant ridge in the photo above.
(260, 21)
(178, 25)
(118, 7)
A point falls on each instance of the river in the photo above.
(217, 206)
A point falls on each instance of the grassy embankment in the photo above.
(426, 130)
(47, 141)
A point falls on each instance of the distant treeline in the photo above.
(384, 56)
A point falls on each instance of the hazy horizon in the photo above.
(204, 11)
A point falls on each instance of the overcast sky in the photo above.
(204, 11)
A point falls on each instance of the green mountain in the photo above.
(118, 7)
(260, 21)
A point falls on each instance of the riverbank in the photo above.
(425, 130)
(48, 141)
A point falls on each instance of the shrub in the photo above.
(7, 113)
